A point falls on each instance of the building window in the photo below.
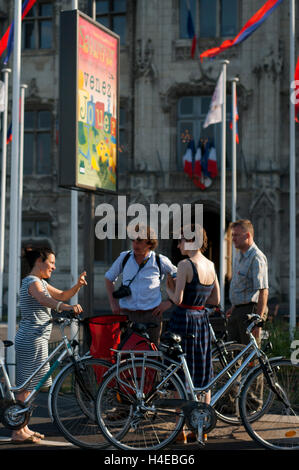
(37, 142)
(211, 18)
(192, 112)
(112, 14)
(32, 228)
(37, 27)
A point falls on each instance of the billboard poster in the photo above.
(89, 95)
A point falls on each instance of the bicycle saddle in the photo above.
(171, 338)
(142, 327)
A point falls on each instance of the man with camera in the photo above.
(139, 296)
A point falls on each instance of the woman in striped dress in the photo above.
(196, 285)
(37, 298)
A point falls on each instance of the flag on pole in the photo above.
(6, 41)
(9, 134)
(254, 23)
(215, 111)
(188, 158)
(191, 30)
(237, 119)
(297, 90)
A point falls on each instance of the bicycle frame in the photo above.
(64, 344)
(175, 366)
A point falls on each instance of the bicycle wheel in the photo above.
(73, 402)
(227, 406)
(136, 410)
(278, 396)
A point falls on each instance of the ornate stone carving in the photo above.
(144, 60)
(271, 65)
(33, 90)
(199, 84)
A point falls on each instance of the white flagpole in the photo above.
(14, 191)
(22, 91)
(3, 186)
(223, 191)
(74, 234)
(234, 157)
(234, 149)
(292, 269)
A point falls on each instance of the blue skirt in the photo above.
(198, 350)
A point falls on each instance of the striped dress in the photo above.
(31, 341)
(186, 322)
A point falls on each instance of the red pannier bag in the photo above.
(105, 333)
(134, 341)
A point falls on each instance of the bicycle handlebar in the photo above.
(255, 321)
(65, 315)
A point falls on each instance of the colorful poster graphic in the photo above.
(97, 107)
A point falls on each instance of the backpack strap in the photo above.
(126, 259)
(158, 261)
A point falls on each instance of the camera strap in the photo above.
(140, 267)
(157, 261)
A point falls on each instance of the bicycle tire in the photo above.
(227, 407)
(132, 423)
(278, 425)
(72, 404)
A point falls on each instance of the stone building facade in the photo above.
(160, 88)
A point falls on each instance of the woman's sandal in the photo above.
(38, 435)
(29, 440)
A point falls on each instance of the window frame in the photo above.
(36, 131)
(195, 11)
(37, 20)
(111, 14)
(198, 118)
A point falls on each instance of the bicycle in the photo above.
(71, 396)
(155, 403)
(223, 352)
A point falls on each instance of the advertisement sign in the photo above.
(89, 104)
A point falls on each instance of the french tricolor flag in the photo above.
(255, 22)
(212, 163)
(191, 30)
(188, 158)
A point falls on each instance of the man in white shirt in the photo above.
(142, 274)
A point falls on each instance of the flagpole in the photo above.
(3, 186)
(223, 190)
(292, 268)
(20, 206)
(234, 149)
(74, 233)
(14, 191)
(234, 156)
